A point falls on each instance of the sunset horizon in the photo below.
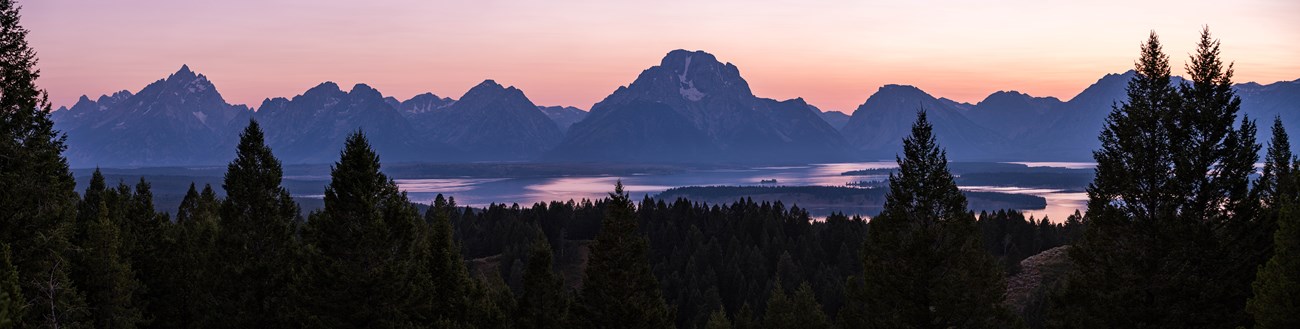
(675, 164)
(958, 51)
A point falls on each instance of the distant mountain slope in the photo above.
(422, 103)
(690, 108)
(491, 122)
(311, 128)
(180, 120)
(878, 126)
(1012, 114)
(564, 116)
(1073, 136)
(693, 108)
(836, 119)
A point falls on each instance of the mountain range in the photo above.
(691, 108)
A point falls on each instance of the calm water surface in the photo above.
(526, 191)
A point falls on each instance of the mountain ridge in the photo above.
(690, 108)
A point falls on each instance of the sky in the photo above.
(834, 54)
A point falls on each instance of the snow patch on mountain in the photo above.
(688, 87)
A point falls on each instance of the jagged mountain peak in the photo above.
(186, 76)
(488, 83)
(1005, 97)
(680, 58)
(324, 87)
(694, 108)
(699, 74)
(1007, 94)
(365, 90)
(184, 71)
(489, 89)
(117, 96)
(899, 89)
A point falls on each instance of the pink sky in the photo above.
(832, 53)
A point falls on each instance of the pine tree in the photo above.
(1276, 303)
(110, 283)
(187, 294)
(809, 310)
(256, 242)
(361, 246)
(1170, 212)
(545, 303)
(718, 320)
(144, 247)
(779, 313)
(443, 271)
(799, 311)
(491, 304)
(619, 290)
(12, 304)
(1276, 182)
(37, 191)
(745, 318)
(924, 263)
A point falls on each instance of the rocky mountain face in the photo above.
(564, 116)
(1012, 114)
(180, 120)
(878, 126)
(491, 122)
(311, 128)
(836, 119)
(421, 104)
(693, 108)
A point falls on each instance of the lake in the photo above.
(481, 191)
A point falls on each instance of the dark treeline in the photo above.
(1162, 245)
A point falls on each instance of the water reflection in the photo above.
(1066, 165)
(1060, 204)
(526, 191)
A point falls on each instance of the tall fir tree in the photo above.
(187, 292)
(745, 318)
(718, 320)
(109, 282)
(443, 270)
(37, 191)
(144, 247)
(619, 290)
(545, 303)
(924, 265)
(1170, 211)
(256, 241)
(791, 312)
(1276, 182)
(12, 304)
(1276, 302)
(361, 246)
(1276, 299)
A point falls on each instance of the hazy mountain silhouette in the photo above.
(422, 103)
(311, 128)
(564, 116)
(689, 109)
(180, 120)
(1012, 114)
(693, 108)
(491, 122)
(836, 119)
(878, 126)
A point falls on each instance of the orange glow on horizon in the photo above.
(576, 52)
